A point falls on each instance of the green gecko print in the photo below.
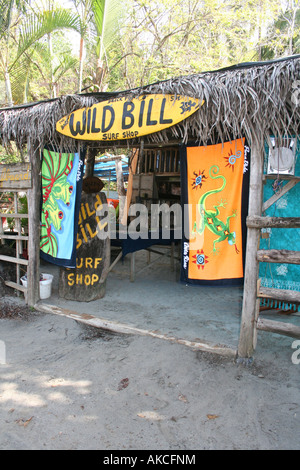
(209, 218)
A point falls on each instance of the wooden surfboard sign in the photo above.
(124, 118)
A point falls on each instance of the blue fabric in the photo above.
(281, 276)
(130, 245)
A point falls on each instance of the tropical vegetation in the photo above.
(51, 48)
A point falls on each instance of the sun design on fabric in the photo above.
(198, 180)
(232, 158)
(200, 259)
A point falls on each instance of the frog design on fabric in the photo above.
(55, 186)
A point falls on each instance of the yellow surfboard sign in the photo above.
(124, 118)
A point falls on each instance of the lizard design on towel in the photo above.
(209, 218)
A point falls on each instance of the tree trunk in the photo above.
(8, 89)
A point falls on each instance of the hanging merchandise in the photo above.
(61, 193)
(214, 187)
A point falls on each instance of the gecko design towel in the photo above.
(61, 194)
(214, 188)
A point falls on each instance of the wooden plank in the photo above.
(13, 215)
(115, 261)
(146, 161)
(176, 161)
(281, 328)
(11, 259)
(132, 267)
(126, 329)
(16, 286)
(279, 256)
(14, 237)
(290, 296)
(273, 222)
(17, 176)
(282, 177)
(112, 158)
(132, 171)
(277, 196)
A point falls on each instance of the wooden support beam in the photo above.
(12, 259)
(90, 161)
(281, 328)
(254, 221)
(34, 199)
(16, 286)
(132, 171)
(277, 196)
(290, 296)
(115, 262)
(132, 267)
(14, 237)
(14, 216)
(278, 256)
(249, 309)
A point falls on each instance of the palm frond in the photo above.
(37, 26)
(248, 100)
(107, 16)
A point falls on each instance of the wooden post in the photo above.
(132, 171)
(34, 199)
(120, 179)
(247, 329)
(90, 161)
(132, 266)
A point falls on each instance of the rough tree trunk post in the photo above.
(247, 329)
(87, 281)
(90, 161)
(34, 199)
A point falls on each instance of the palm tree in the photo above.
(100, 19)
(10, 12)
(31, 28)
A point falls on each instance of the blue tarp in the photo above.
(108, 169)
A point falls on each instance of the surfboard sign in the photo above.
(127, 118)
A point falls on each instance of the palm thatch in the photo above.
(254, 100)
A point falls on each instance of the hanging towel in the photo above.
(214, 188)
(61, 193)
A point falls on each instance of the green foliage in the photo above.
(9, 155)
(133, 43)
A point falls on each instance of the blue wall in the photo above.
(282, 276)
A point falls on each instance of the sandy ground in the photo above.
(68, 386)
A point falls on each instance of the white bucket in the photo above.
(45, 285)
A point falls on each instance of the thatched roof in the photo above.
(244, 100)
